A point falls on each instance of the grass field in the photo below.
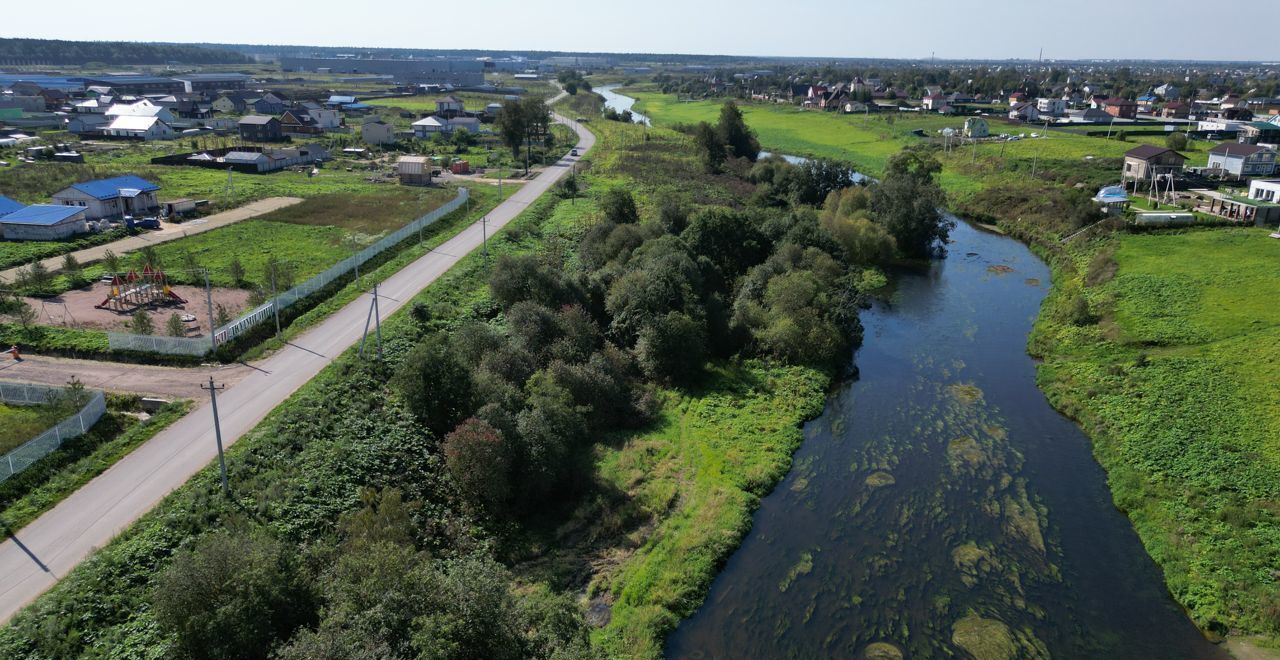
(867, 141)
(19, 424)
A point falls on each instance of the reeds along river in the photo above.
(939, 505)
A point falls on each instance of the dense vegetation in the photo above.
(82, 53)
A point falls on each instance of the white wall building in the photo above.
(111, 198)
(43, 222)
(141, 128)
(1265, 190)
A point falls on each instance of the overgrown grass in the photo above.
(1176, 386)
(19, 424)
(50, 480)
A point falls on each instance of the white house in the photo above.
(143, 108)
(1024, 112)
(1242, 160)
(377, 131)
(325, 118)
(976, 127)
(111, 198)
(43, 222)
(430, 126)
(1266, 190)
(1048, 106)
(142, 128)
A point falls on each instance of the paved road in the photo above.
(164, 382)
(45, 550)
(167, 232)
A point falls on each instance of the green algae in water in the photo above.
(984, 639)
(802, 567)
(881, 651)
(966, 393)
(879, 480)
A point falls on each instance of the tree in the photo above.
(512, 126)
(435, 385)
(907, 202)
(111, 262)
(38, 278)
(480, 462)
(73, 270)
(672, 349)
(711, 148)
(24, 314)
(1176, 141)
(734, 133)
(619, 206)
(524, 277)
(236, 270)
(140, 324)
(174, 326)
(232, 596)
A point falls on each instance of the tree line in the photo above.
(56, 51)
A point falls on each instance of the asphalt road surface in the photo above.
(48, 548)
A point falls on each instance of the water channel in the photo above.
(940, 505)
(618, 102)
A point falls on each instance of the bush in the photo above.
(619, 207)
(232, 596)
(435, 385)
(672, 349)
(479, 460)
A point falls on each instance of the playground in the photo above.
(111, 305)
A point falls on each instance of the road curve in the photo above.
(45, 550)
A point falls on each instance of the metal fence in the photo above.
(202, 345)
(42, 445)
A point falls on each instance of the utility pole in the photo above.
(208, 299)
(377, 320)
(217, 432)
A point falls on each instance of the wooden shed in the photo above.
(414, 170)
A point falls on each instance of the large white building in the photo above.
(111, 198)
(140, 128)
(143, 108)
(43, 222)
(1265, 190)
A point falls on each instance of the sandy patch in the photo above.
(76, 309)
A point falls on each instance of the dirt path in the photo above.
(167, 232)
(164, 382)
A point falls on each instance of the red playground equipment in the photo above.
(137, 291)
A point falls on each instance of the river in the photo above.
(618, 102)
(940, 503)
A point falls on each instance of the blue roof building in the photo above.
(8, 206)
(43, 222)
(111, 198)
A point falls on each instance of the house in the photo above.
(429, 126)
(267, 104)
(90, 106)
(231, 104)
(140, 128)
(298, 123)
(1051, 107)
(976, 127)
(472, 124)
(855, 107)
(43, 222)
(1175, 110)
(81, 124)
(377, 131)
(1242, 160)
(1097, 100)
(491, 111)
(933, 102)
(1265, 190)
(250, 161)
(449, 106)
(8, 206)
(414, 170)
(191, 109)
(1120, 108)
(325, 119)
(1259, 132)
(143, 108)
(1147, 161)
(339, 100)
(111, 198)
(1024, 112)
(259, 128)
(1147, 101)
(1016, 98)
(1167, 91)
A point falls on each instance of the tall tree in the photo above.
(735, 133)
(908, 201)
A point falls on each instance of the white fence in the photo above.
(263, 312)
(42, 445)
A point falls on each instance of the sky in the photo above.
(908, 29)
